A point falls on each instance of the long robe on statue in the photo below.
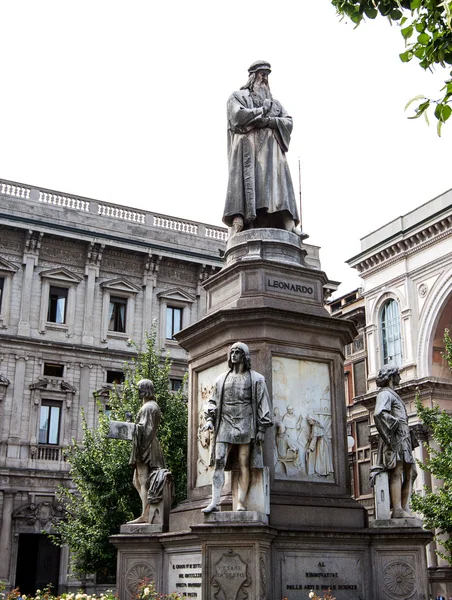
(145, 445)
(259, 176)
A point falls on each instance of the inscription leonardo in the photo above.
(289, 286)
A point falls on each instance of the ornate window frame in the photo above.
(63, 278)
(51, 389)
(176, 298)
(398, 339)
(123, 288)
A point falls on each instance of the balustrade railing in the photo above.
(63, 200)
(119, 212)
(175, 224)
(50, 453)
(14, 189)
(110, 211)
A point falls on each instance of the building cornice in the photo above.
(402, 246)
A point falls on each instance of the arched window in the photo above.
(391, 337)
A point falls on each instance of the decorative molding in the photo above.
(120, 284)
(7, 266)
(94, 254)
(62, 275)
(58, 386)
(405, 247)
(177, 295)
(399, 580)
(44, 513)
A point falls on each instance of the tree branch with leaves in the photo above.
(436, 505)
(102, 496)
(426, 27)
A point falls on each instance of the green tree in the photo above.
(427, 30)
(436, 505)
(104, 497)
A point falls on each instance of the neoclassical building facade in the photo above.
(403, 308)
(79, 280)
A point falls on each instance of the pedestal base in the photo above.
(234, 560)
(236, 517)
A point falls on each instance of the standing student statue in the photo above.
(147, 456)
(238, 413)
(260, 191)
(395, 449)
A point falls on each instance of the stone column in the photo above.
(29, 261)
(6, 535)
(16, 415)
(85, 401)
(91, 273)
(150, 271)
(149, 282)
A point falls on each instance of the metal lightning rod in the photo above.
(299, 190)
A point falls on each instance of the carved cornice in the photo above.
(405, 247)
(45, 513)
(52, 385)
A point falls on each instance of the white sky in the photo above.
(125, 102)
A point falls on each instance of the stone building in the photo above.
(78, 279)
(401, 314)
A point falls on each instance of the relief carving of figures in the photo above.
(303, 420)
(204, 471)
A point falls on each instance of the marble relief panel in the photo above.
(302, 420)
(206, 380)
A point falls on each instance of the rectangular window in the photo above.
(57, 305)
(363, 473)
(173, 321)
(362, 434)
(49, 422)
(2, 285)
(176, 384)
(117, 314)
(53, 370)
(359, 378)
(116, 377)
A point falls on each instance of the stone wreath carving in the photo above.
(399, 580)
(135, 575)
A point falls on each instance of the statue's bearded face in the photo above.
(261, 86)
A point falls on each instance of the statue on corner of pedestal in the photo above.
(260, 191)
(396, 442)
(150, 477)
(238, 414)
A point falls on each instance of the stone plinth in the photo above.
(269, 299)
(221, 558)
(313, 536)
(274, 245)
(401, 522)
(236, 517)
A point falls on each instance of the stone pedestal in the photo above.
(236, 560)
(267, 297)
(313, 536)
